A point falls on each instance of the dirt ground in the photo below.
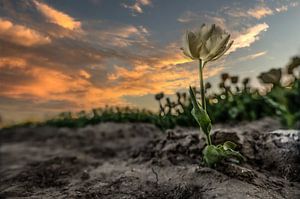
(113, 160)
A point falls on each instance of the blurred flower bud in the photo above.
(159, 96)
(246, 81)
(224, 76)
(234, 79)
(273, 76)
(207, 85)
(221, 85)
(293, 64)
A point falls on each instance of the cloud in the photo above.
(281, 9)
(12, 63)
(257, 12)
(57, 17)
(260, 12)
(168, 80)
(187, 17)
(41, 84)
(256, 55)
(247, 57)
(167, 73)
(123, 35)
(248, 37)
(21, 35)
(84, 74)
(136, 8)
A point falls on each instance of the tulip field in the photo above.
(235, 101)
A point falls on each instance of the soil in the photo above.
(111, 160)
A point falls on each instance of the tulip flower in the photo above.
(208, 44)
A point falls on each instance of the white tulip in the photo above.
(209, 43)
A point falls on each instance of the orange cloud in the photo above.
(44, 84)
(12, 63)
(21, 35)
(260, 12)
(84, 74)
(165, 76)
(57, 17)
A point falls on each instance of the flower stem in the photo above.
(202, 89)
(208, 139)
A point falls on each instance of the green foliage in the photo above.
(236, 101)
(213, 155)
(199, 114)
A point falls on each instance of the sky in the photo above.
(71, 55)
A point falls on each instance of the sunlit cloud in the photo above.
(260, 12)
(137, 7)
(20, 34)
(247, 58)
(40, 84)
(248, 37)
(256, 55)
(84, 74)
(43, 84)
(57, 17)
(12, 63)
(168, 75)
(281, 9)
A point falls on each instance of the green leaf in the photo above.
(200, 114)
(229, 145)
(234, 154)
(282, 109)
(212, 155)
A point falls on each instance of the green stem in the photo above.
(202, 89)
(208, 139)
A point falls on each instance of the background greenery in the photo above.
(236, 101)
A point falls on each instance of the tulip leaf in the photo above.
(212, 155)
(234, 154)
(229, 145)
(200, 114)
(215, 154)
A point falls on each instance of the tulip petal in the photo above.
(186, 48)
(207, 33)
(223, 52)
(204, 52)
(220, 46)
(193, 45)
